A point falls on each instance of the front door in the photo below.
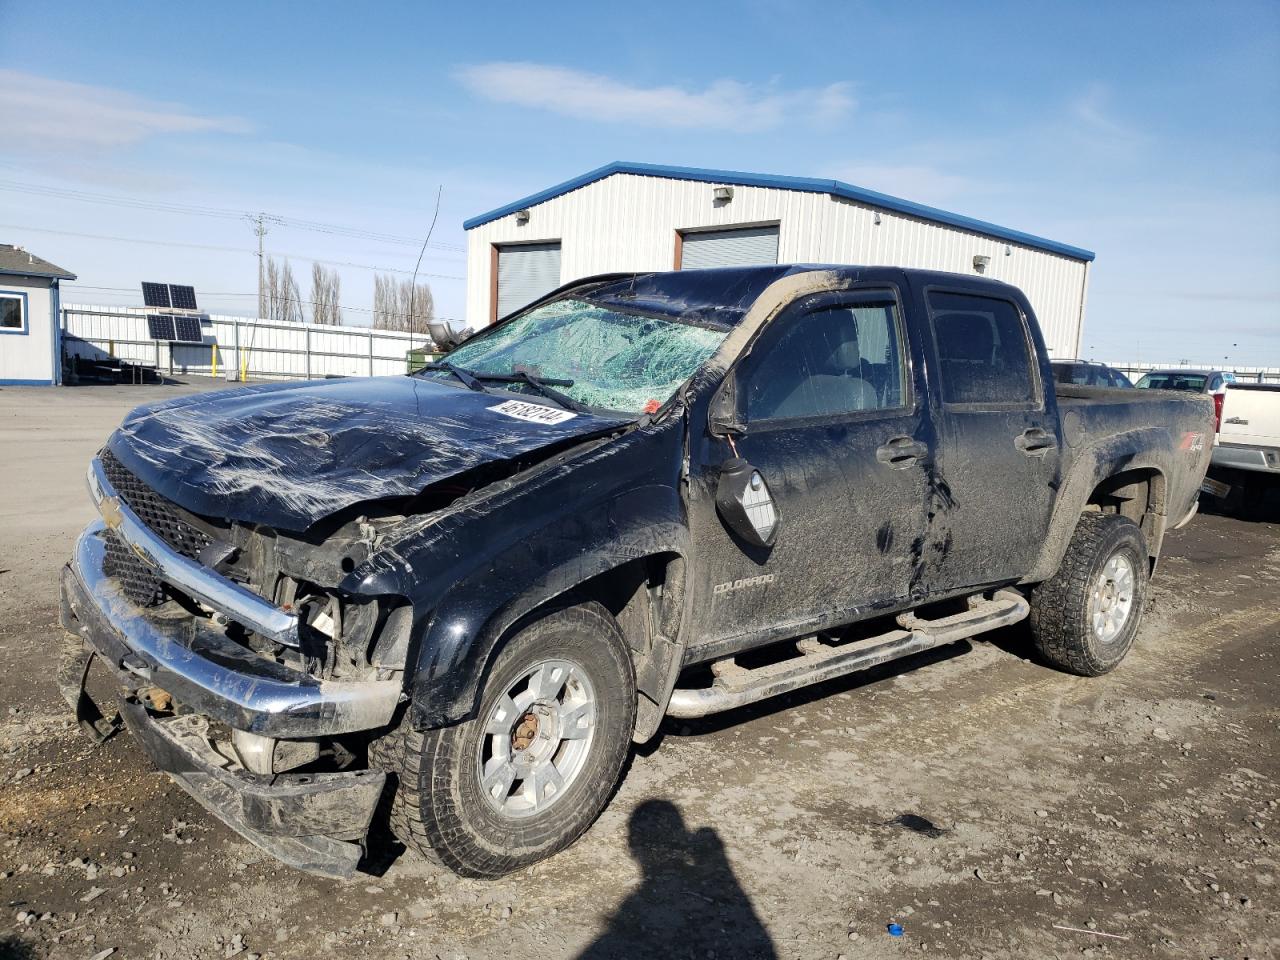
(998, 458)
(833, 422)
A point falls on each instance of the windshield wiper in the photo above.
(544, 387)
(468, 378)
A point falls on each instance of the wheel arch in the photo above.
(644, 593)
(1107, 478)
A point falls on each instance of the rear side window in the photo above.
(983, 349)
(831, 361)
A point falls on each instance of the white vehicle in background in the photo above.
(1212, 382)
(1249, 432)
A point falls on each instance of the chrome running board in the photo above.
(817, 660)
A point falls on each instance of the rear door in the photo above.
(834, 424)
(998, 457)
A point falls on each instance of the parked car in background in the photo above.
(1212, 382)
(1088, 373)
(1249, 438)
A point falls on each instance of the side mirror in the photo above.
(722, 415)
(745, 503)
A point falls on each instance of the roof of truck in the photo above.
(725, 294)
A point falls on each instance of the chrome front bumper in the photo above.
(209, 673)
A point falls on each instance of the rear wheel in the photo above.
(533, 769)
(1083, 620)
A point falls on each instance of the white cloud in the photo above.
(724, 104)
(40, 115)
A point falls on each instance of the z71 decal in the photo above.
(532, 412)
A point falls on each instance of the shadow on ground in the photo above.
(689, 901)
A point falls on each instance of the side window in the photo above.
(983, 349)
(841, 359)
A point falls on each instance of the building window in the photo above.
(13, 312)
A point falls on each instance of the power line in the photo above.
(205, 246)
(165, 206)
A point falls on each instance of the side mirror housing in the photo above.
(722, 414)
(745, 503)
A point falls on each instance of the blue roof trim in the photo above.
(804, 184)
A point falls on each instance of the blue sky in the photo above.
(1149, 133)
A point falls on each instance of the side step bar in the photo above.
(816, 660)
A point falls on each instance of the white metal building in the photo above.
(30, 347)
(636, 216)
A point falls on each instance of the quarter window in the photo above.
(835, 360)
(982, 348)
(11, 312)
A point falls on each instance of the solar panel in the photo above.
(184, 298)
(155, 295)
(160, 326)
(188, 329)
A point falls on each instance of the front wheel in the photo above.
(532, 770)
(1083, 620)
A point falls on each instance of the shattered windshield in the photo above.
(617, 361)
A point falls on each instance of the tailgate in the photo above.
(1251, 415)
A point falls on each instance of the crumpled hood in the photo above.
(287, 455)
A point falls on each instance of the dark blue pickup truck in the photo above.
(459, 596)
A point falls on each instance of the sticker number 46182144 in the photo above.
(532, 412)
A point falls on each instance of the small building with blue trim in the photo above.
(640, 216)
(30, 341)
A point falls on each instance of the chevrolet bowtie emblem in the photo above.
(109, 507)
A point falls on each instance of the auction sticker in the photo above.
(532, 412)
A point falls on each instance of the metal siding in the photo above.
(525, 273)
(729, 248)
(628, 222)
(272, 350)
(28, 356)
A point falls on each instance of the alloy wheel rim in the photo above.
(1111, 600)
(537, 737)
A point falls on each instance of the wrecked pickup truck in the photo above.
(458, 596)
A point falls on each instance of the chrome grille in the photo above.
(138, 582)
(136, 579)
(153, 510)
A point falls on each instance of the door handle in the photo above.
(901, 452)
(1238, 421)
(1035, 442)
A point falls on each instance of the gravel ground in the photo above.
(988, 805)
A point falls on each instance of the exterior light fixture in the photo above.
(980, 262)
(1008, 250)
(522, 217)
(876, 221)
(723, 194)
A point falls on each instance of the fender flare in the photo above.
(471, 619)
(1094, 463)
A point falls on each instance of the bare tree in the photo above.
(399, 305)
(326, 287)
(283, 302)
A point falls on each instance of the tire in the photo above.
(1079, 619)
(440, 807)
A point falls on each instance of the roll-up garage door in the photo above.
(743, 247)
(526, 272)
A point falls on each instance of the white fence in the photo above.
(1245, 374)
(270, 350)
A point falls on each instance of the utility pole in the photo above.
(259, 222)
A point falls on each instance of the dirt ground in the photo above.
(982, 801)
